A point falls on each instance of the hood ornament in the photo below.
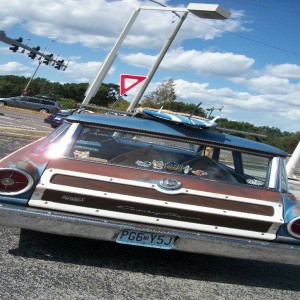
(170, 184)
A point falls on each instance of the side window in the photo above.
(46, 102)
(21, 98)
(225, 157)
(33, 100)
(256, 168)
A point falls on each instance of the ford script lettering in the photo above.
(156, 214)
(72, 198)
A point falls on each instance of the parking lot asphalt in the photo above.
(11, 118)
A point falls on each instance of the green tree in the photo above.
(164, 95)
(67, 103)
(74, 91)
(107, 94)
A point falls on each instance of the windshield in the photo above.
(164, 154)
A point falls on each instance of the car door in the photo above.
(19, 102)
(33, 103)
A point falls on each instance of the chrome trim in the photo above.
(45, 184)
(157, 220)
(170, 184)
(187, 241)
(27, 188)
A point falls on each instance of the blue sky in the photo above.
(248, 64)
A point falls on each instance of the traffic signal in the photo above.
(48, 59)
(14, 48)
(31, 54)
(59, 64)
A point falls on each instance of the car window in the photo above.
(163, 154)
(34, 100)
(46, 102)
(18, 98)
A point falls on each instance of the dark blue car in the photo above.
(56, 119)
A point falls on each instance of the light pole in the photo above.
(52, 39)
(208, 11)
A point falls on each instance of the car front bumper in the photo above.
(187, 241)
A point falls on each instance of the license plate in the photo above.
(57, 118)
(145, 239)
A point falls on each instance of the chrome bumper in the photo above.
(188, 241)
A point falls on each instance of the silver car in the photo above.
(38, 103)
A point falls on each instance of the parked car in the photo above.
(38, 103)
(56, 119)
(154, 181)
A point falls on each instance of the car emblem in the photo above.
(170, 184)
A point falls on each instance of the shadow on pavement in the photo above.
(101, 254)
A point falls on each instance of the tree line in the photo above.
(72, 94)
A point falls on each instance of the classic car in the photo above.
(143, 180)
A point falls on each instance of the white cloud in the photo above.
(204, 63)
(15, 68)
(265, 84)
(8, 21)
(284, 70)
(84, 72)
(257, 109)
(90, 22)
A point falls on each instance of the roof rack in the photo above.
(257, 136)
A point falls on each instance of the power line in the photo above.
(247, 38)
(241, 36)
(281, 9)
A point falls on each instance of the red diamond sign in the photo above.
(127, 82)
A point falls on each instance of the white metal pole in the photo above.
(94, 86)
(160, 57)
(291, 164)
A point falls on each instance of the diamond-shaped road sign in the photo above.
(127, 82)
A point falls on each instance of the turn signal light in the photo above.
(294, 227)
(14, 181)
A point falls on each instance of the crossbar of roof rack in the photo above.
(243, 133)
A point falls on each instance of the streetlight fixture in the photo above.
(208, 11)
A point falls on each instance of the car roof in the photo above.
(209, 136)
